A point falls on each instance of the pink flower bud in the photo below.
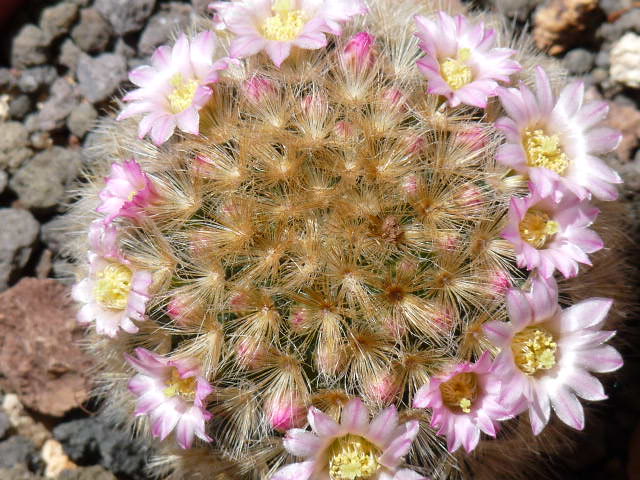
(443, 317)
(500, 282)
(344, 129)
(382, 389)
(257, 88)
(474, 137)
(250, 353)
(471, 196)
(448, 241)
(312, 104)
(299, 319)
(410, 184)
(285, 413)
(394, 97)
(359, 53)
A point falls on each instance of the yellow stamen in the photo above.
(286, 24)
(536, 228)
(353, 458)
(534, 350)
(460, 391)
(113, 286)
(184, 387)
(183, 92)
(544, 151)
(455, 71)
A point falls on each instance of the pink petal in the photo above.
(603, 140)
(585, 385)
(189, 121)
(499, 333)
(406, 474)
(568, 408)
(400, 446)
(278, 51)
(519, 309)
(295, 471)
(383, 426)
(301, 443)
(585, 314)
(600, 360)
(322, 424)
(570, 99)
(355, 416)
(544, 92)
(162, 129)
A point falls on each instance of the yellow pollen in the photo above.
(455, 71)
(183, 92)
(353, 458)
(184, 387)
(113, 286)
(544, 151)
(286, 24)
(460, 391)
(534, 350)
(536, 228)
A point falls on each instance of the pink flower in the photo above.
(460, 63)
(114, 294)
(464, 402)
(175, 87)
(552, 232)
(172, 393)
(358, 53)
(547, 353)
(257, 88)
(127, 192)
(276, 26)
(553, 139)
(354, 448)
(285, 412)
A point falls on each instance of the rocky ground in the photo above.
(60, 64)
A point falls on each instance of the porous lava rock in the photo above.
(40, 358)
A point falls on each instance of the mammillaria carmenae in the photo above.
(353, 228)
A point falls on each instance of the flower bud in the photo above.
(359, 53)
(383, 388)
(285, 412)
(257, 88)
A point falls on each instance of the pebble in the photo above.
(173, 17)
(18, 472)
(42, 182)
(22, 422)
(518, 9)
(52, 234)
(611, 32)
(562, 24)
(56, 21)
(4, 180)
(626, 118)
(14, 139)
(613, 6)
(93, 32)
(201, 7)
(126, 16)
(63, 98)
(16, 243)
(33, 79)
(82, 119)
(95, 472)
(17, 450)
(94, 439)
(603, 59)
(29, 47)
(5, 425)
(19, 106)
(99, 77)
(625, 60)
(579, 61)
(69, 53)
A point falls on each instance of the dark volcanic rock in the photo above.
(89, 473)
(17, 450)
(47, 370)
(93, 440)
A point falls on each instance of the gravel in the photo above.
(579, 61)
(41, 183)
(5, 425)
(16, 243)
(63, 98)
(126, 16)
(93, 32)
(172, 18)
(17, 450)
(57, 20)
(82, 119)
(29, 47)
(99, 77)
(14, 140)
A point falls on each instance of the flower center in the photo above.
(353, 458)
(286, 24)
(534, 350)
(544, 151)
(113, 286)
(536, 228)
(455, 71)
(184, 387)
(460, 391)
(183, 92)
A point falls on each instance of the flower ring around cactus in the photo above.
(336, 240)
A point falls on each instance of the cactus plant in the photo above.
(348, 217)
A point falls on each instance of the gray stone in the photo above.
(82, 119)
(126, 16)
(19, 107)
(519, 9)
(99, 77)
(93, 32)
(18, 472)
(5, 425)
(63, 98)
(16, 246)
(579, 61)
(33, 79)
(14, 139)
(4, 180)
(613, 6)
(124, 49)
(69, 53)
(95, 472)
(57, 20)
(7, 79)
(172, 17)
(611, 32)
(94, 439)
(603, 59)
(201, 7)
(53, 235)
(41, 183)
(41, 140)
(29, 47)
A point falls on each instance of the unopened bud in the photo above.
(285, 412)
(383, 388)
(500, 282)
(257, 88)
(359, 53)
(250, 353)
